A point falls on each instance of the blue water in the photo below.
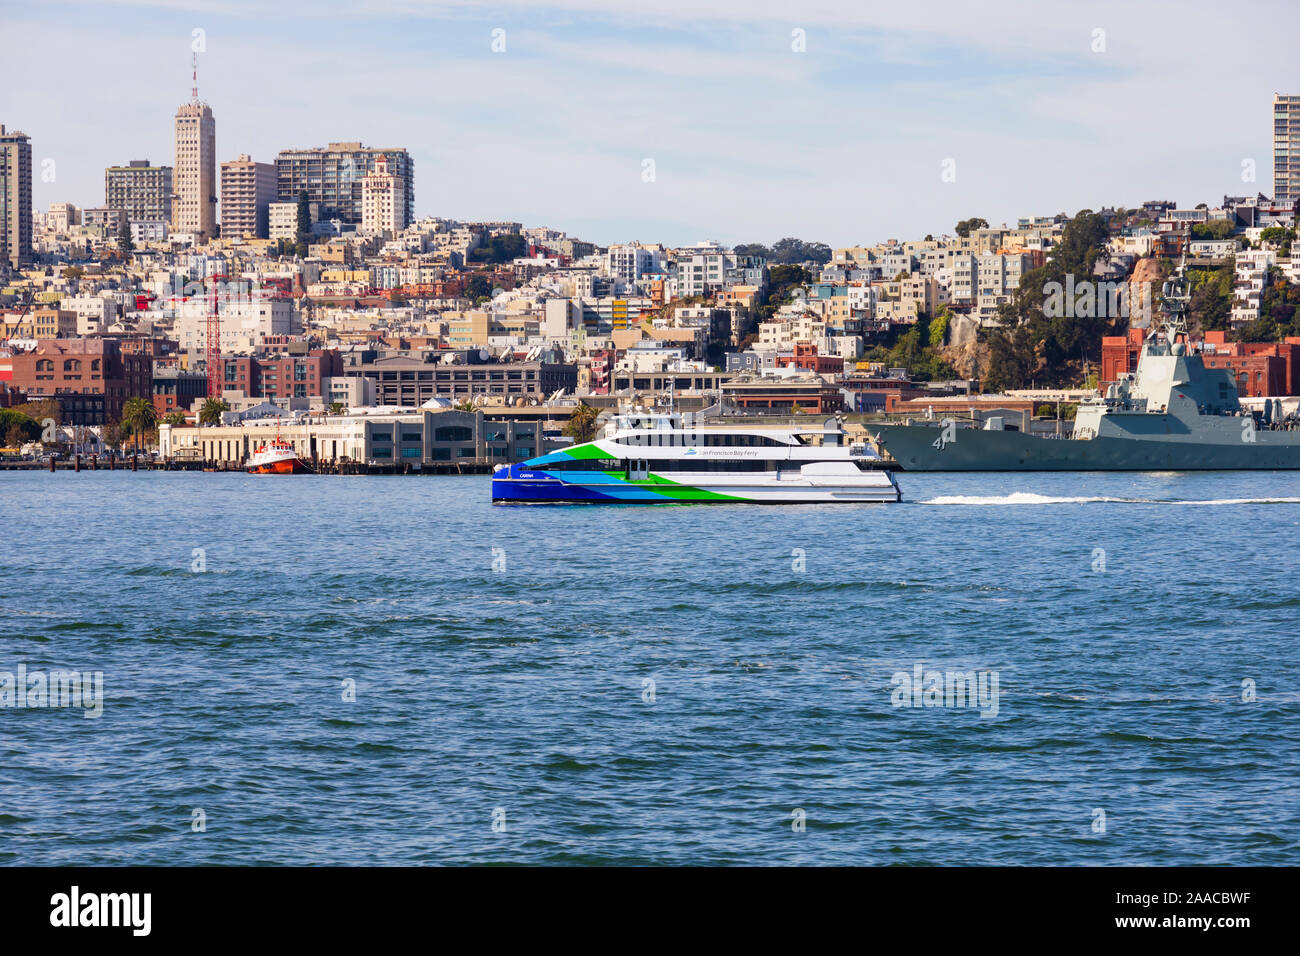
(524, 691)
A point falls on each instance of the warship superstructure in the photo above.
(1171, 414)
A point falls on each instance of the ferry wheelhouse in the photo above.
(656, 458)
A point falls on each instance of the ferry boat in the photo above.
(277, 457)
(656, 458)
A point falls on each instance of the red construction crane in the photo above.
(213, 339)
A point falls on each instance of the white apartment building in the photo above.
(142, 232)
(700, 269)
(95, 313)
(62, 217)
(247, 189)
(282, 219)
(245, 324)
(987, 280)
(632, 261)
(781, 335)
(383, 200)
(1249, 283)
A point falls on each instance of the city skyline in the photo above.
(887, 125)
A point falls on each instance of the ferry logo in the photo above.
(73, 909)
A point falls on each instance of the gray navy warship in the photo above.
(1172, 414)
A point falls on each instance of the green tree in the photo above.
(337, 408)
(1034, 347)
(581, 426)
(1214, 229)
(939, 327)
(138, 416)
(477, 287)
(501, 249)
(175, 419)
(114, 435)
(791, 251)
(782, 281)
(302, 237)
(913, 351)
(125, 244)
(27, 427)
(1279, 312)
(1279, 235)
(210, 411)
(788, 251)
(1210, 305)
(967, 226)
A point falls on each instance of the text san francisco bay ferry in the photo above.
(652, 458)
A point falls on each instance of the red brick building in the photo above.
(805, 357)
(1260, 368)
(1119, 354)
(281, 376)
(90, 377)
(175, 389)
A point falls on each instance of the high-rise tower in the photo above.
(1286, 148)
(15, 198)
(194, 176)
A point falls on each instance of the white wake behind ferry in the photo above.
(656, 458)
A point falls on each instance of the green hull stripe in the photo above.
(587, 452)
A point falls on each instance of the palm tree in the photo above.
(210, 411)
(138, 414)
(581, 426)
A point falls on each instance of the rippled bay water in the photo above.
(1121, 613)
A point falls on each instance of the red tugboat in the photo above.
(277, 457)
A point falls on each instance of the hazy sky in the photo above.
(845, 142)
